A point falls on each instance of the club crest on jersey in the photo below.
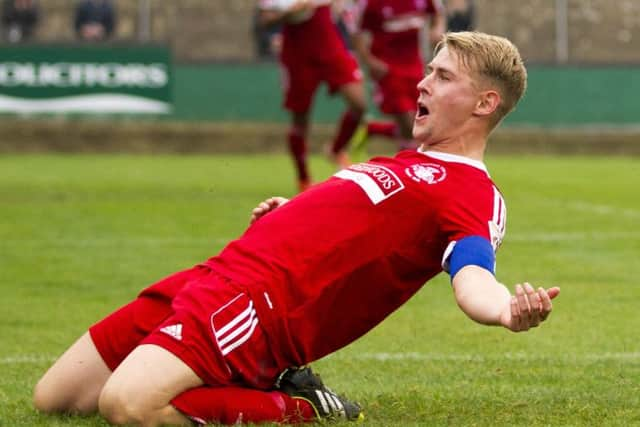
(378, 182)
(431, 173)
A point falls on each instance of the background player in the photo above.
(314, 52)
(387, 37)
(313, 274)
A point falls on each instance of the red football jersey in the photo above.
(315, 38)
(395, 27)
(334, 261)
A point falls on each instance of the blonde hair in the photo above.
(493, 60)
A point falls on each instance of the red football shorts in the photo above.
(301, 78)
(207, 321)
(396, 93)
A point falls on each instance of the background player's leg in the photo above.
(405, 126)
(354, 95)
(383, 128)
(74, 382)
(297, 139)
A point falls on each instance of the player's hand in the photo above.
(300, 6)
(265, 207)
(528, 307)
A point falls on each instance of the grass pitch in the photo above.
(81, 235)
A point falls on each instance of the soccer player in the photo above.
(386, 37)
(313, 52)
(311, 275)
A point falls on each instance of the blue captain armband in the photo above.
(471, 250)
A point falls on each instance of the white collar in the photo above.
(448, 157)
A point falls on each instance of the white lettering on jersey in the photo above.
(498, 223)
(378, 182)
(398, 24)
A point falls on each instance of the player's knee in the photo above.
(49, 399)
(45, 399)
(51, 395)
(116, 408)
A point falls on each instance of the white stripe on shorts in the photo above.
(238, 330)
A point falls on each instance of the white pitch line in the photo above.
(539, 236)
(27, 359)
(33, 359)
(605, 209)
(452, 357)
(573, 236)
(109, 241)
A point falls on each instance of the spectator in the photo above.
(94, 19)
(267, 40)
(460, 15)
(19, 18)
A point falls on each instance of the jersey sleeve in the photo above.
(480, 213)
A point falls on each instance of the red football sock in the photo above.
(233, 405)
(387, 129)
(298, 150)
(348, 125)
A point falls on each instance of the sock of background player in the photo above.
(298, 150)
(348, 125)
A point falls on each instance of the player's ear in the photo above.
(488, 102)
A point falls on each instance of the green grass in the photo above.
(80, 235)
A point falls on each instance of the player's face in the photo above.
(447, 100)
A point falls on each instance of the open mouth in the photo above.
(422, 110)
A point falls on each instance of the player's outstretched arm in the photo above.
(265, 207)
(487, 301)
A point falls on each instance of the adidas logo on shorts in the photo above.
(174, 331)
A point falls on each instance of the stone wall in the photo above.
(600, 31)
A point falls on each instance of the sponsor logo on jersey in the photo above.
(378, 182)
(431, 173)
